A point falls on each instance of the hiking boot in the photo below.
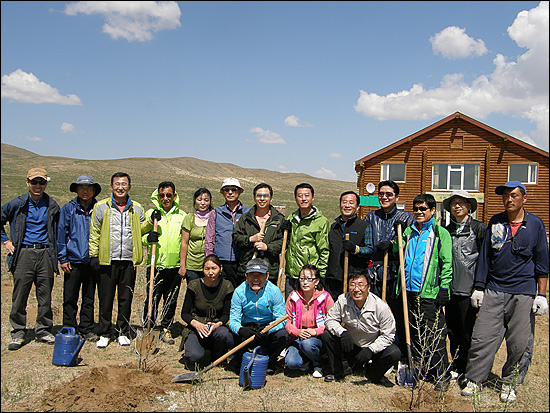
(46, 337)
(507, 394)
(329, 378)
(123, 341)
(470, 389)
(167, 337)
(102, 342)
(16, 343)
(304, 366)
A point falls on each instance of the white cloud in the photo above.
(517, 88)
(294, 121)
(33, 138)
(335, 155)
(325, 173)
(68, 127)
(454, 43)
(131, 20)
(266, 136)
(25, 87)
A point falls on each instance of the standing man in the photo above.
(467, 235)
(510, 283)
(167, 256)
(219, 230)
(32, 256)
(115, 251)
(73, 234)
(428, 252)
(359, 246)
(249, 238)
(360, 328)
(307, 237)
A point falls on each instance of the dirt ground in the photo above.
(109, 380)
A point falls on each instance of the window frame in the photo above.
(385, 171)
(529, 173)
(454, 168)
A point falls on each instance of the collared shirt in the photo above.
(36, 231)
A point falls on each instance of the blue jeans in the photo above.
(309, 347)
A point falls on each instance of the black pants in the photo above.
(219, 342)
(83, 277)
(381, 361)
(119, 276)
(166, 286)
(334, 287)
(229, 272)
(274, 343)
(460, 317)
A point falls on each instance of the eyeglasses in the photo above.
(359, 286)
(40, 182)
(387, 194)
(120, 185)
(459, 203)
(262, 195)
(308, 279)
(420, 208)
(232, 189)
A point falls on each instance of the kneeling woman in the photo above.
(206, 311)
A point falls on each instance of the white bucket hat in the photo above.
(462, 194)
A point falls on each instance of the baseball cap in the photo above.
(257, 265)
(231, 182)
(85, 180)
(37, 173)
(510, 184)
(462, 194)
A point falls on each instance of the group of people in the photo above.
(475, 283)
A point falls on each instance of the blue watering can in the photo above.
(253, 369)
(67, 346)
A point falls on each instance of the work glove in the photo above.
(540, 305)
(259, 339)
(94, 263)
(398, 223)
(346, 341)
(286, 225)
(364, 356)
(442, 297)
(153, 236)
(349, 246)
(476, 298)
(383, 245)
(246, 332)
(156, 215)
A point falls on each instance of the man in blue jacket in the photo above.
(32, 256)
(73, 233)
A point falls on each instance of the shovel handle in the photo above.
(152, 275)
(262, 231)
(385, 274)
(281, 279)
(403, 286)
(346, 264)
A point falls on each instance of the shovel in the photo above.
(407, 375)
(385, 274)
(262, 231)
(148, 340)
(346, 264)
(281, 279)
(195, 377)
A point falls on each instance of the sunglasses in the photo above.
(421, 208)
(387, 194)
(38, 182)
(232, 189)
(165, 195)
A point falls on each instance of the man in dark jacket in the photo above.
(359, 246)
(32, 256)
(73, 233)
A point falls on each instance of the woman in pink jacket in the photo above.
(307, 308)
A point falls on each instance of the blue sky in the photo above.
(287, 86)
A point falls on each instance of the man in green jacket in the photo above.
(307, 237)
(428, 256)
(167, 256)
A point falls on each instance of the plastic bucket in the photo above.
(253, 369)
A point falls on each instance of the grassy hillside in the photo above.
(187, 173)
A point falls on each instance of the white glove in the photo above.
(476, 298)
(540, 305)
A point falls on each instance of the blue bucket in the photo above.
(67, 347)
(253, 369)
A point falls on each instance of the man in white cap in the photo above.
(219, 230)
(510, 283)
(73, 233)
(32, 256)
(467, 235)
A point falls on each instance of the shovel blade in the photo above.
(187, 378)
(407, 376)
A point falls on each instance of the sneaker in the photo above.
(317, 372)
(167, 337)
(329, 378)
(507, 394)
(16, 343)
(91, 337)
(123, 341)
(470, 389)
(102, 342)
(46, 337)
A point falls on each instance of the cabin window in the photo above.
(526, 173)
(454, 176)
(393, 171)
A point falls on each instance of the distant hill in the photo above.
(187, 173)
